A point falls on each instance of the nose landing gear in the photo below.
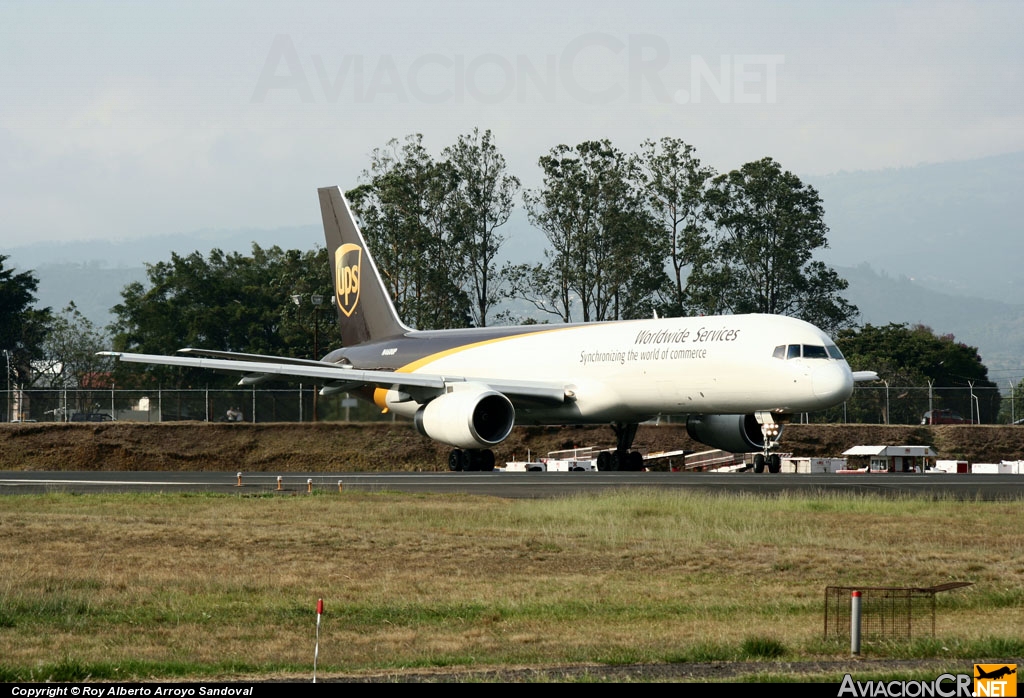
(772, 461)
(770, 430)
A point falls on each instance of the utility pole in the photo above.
(317, 300)
(7, 414)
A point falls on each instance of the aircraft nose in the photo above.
(833, 381)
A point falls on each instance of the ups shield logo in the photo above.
(348, 261)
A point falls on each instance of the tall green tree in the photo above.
(914, 356)
(769, 225)
(227, 302)
(410, 217)
(606, 259)
(484, 198)
(677, 184)
(22, 325)
(69, 350)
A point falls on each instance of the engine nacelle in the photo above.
(736, 433)
(471, 417)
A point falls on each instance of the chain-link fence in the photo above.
(874, 404)
(301, 404)
(890, 404)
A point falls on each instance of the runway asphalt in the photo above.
(516, 485)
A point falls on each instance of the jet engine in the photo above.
(736, 433)
(472, 417)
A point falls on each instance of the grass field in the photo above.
(203, 586)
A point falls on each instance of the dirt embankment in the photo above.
(330, 447)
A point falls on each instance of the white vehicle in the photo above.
(565, 461)
(792, 464)
(737, 377)
(525, 466)
(572, 460)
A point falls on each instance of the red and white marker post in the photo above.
(316, 650)
(855, 612)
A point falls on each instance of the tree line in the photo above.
(914, 355)
(630, 235)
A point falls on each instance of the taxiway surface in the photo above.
(515, 485)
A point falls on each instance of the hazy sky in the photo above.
(124, 119)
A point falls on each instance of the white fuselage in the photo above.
(634, 370)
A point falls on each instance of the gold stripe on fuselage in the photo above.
(380, 394)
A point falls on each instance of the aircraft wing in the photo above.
(339, 378)
(864, 376)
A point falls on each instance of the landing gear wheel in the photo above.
(487, 460)
(759, 463)
(456, 460)
(617, 462)
(774, 463)
(604, 461)
(621, 457)
(636, 461)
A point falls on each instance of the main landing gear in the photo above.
(621, 458)
(474, 459)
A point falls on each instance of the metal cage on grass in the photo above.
(887, 613)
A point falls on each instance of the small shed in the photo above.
(895, 459)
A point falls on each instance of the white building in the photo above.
(895, 459)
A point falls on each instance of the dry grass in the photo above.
(210, 582)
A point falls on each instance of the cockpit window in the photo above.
(807, 351)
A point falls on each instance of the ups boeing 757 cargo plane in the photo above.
(737, 378)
